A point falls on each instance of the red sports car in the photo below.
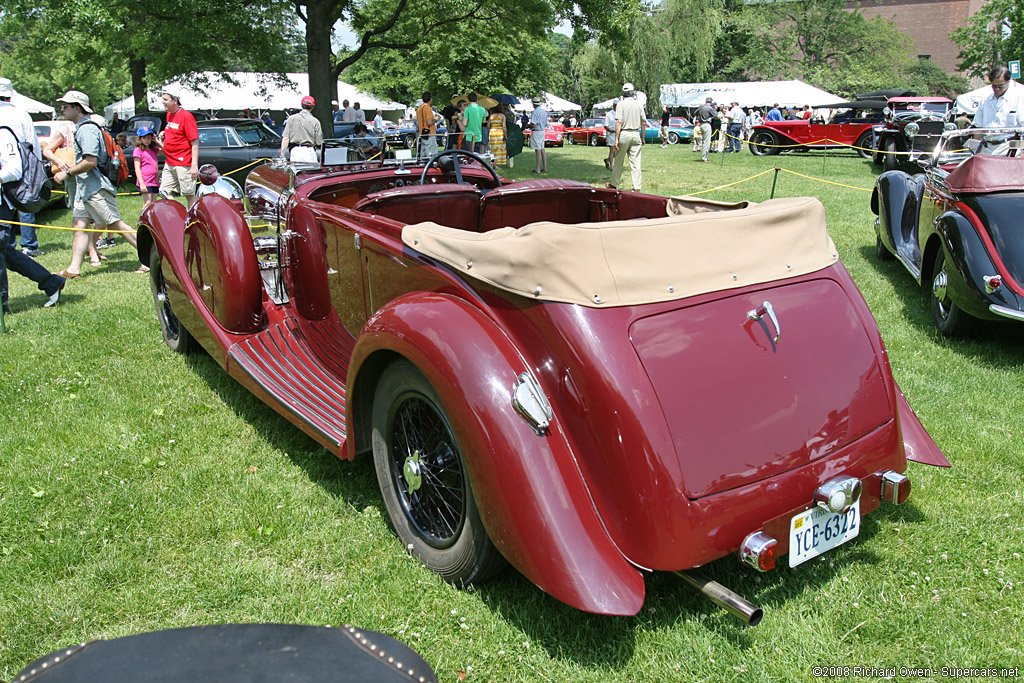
(586, 383)
(849, 123)
(589, 132)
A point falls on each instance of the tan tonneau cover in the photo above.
(630, 262)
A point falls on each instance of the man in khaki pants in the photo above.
(629, 137)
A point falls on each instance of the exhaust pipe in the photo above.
(723, 597)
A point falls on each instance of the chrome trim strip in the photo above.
(1006, 312)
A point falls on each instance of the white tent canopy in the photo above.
(969, 102)
(30, 105)
(551, 103)
(753, 94)
(220, 95)
(601, 108)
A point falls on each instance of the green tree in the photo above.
(667, 43)
(157, 42)
(925, 77)
(508, 53)
(422, 28)
(822, 43)
(993, 35)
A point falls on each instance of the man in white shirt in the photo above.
(629, 138)
(348, 114)
(736, 116)
(1001, 108)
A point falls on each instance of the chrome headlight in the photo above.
(886, 111)
(949, 126)
(912, 129)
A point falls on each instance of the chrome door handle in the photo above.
(759, 312)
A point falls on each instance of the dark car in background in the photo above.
(912, 128)
(229, 144)
(405, 135)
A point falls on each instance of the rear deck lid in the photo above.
(742, 407)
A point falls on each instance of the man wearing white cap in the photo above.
(629, 137)
(94, 194)
(181, 147)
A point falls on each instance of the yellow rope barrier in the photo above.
(722, 187)
(827, 182)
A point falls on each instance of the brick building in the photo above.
(928, 22)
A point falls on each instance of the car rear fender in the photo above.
(528, 486)
(897, 202)
(917, 443)
(968, 262)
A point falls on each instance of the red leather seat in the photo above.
(544, 199)
(449, 204)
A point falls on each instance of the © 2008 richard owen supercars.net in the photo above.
(585, 383)
(956, 227)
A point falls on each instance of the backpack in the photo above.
(31, 192)
(114, 167)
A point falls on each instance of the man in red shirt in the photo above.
(181, 147)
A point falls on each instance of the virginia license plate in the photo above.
(817, 530)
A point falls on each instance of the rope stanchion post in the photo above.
(775, 179)
(3, 324)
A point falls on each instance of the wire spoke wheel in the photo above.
(427, 471)
(424, 481)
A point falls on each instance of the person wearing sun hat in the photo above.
(302, 134)
(95, 197)
(538, 123)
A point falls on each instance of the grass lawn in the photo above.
(142, 490)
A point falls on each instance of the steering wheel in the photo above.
(458, 166)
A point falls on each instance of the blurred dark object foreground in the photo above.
(233, 653)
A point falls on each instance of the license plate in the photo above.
(817, 530)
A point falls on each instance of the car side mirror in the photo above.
(924, 162)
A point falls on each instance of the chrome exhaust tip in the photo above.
(735, 604)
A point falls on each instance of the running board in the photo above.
(281, 363)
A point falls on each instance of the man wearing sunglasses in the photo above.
(1003, 106)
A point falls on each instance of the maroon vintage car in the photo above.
(847, 123)
(586, 383)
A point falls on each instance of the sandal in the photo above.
(68, 275)
(143, 269)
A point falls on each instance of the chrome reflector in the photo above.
(530, 402)
(838, 494)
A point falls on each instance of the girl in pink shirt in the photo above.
(146, 165)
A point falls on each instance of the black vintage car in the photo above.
(911, 129)
(229, 144)
(956, 227)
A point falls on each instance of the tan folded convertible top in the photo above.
(630, 262)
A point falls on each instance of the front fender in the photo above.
(897, 202)
(528, 487)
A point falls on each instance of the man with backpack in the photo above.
(95, 196)
(29, 242)
(11, 170)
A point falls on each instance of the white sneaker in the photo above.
(663, 145)
(54, 298)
